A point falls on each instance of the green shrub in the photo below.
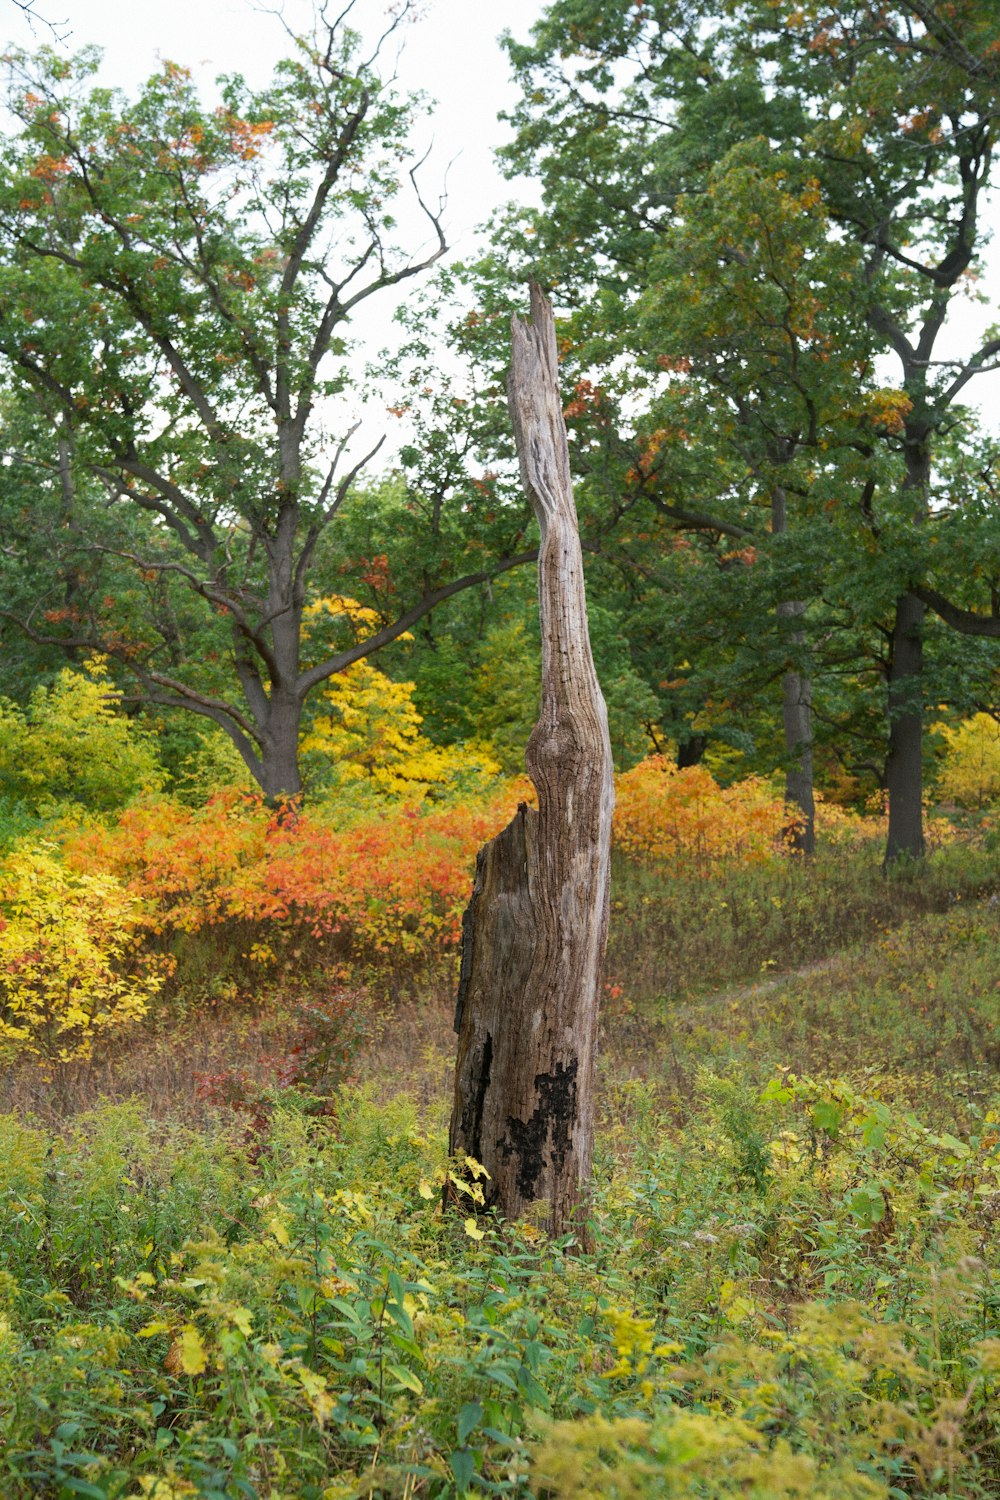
(72, 744)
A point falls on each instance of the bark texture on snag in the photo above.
(536, 927)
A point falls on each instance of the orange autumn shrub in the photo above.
(686, 817)
(393, 881)
(397, 881)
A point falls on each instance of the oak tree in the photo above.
(890, 113)
(177, 283)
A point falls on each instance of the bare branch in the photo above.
(327, 512)
(60, 30)
(413, 268)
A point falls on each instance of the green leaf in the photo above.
(397, 1312)
(867, 1205)
(469, 1419)
(463, 1466)
(828, 1116)
(533, 1393)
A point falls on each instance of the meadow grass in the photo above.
(793, 1288)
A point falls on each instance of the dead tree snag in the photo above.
(536, 926)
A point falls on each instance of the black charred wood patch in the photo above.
(551, 1124)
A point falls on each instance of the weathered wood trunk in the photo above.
(535, 930)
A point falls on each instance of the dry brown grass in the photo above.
(407, 1046)
(159, 1062)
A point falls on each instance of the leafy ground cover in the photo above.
(794, 1293)
(235, 1261)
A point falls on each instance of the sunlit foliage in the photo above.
(69, 972)
(73, 743)
(970, 767)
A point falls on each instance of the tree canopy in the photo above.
(755, 227)
(757, 224)
(176, 288)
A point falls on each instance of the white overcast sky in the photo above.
(451, 53)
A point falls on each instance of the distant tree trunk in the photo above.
(904, 767)
(535, 930)
(691, 751)
(796, 689)
(904, 770)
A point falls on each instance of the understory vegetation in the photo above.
(236, 1261)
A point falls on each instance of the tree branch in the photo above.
(59, 29)
(181, 515)
(328, 511)
(975, 366)
(220, 715)
(201, 702)
(697, 522)
(390, 633)
(967, 621)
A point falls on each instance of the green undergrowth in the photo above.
(790, 1285)
(796, 1294)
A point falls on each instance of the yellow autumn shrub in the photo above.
(368, 729)
(68, 970)
(970, 768)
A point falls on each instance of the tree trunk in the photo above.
(904, 770)
(691, 751)
(796, 690)
(535, 930)
(904, 767)
(280, 779)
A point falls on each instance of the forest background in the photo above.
(266, 689)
